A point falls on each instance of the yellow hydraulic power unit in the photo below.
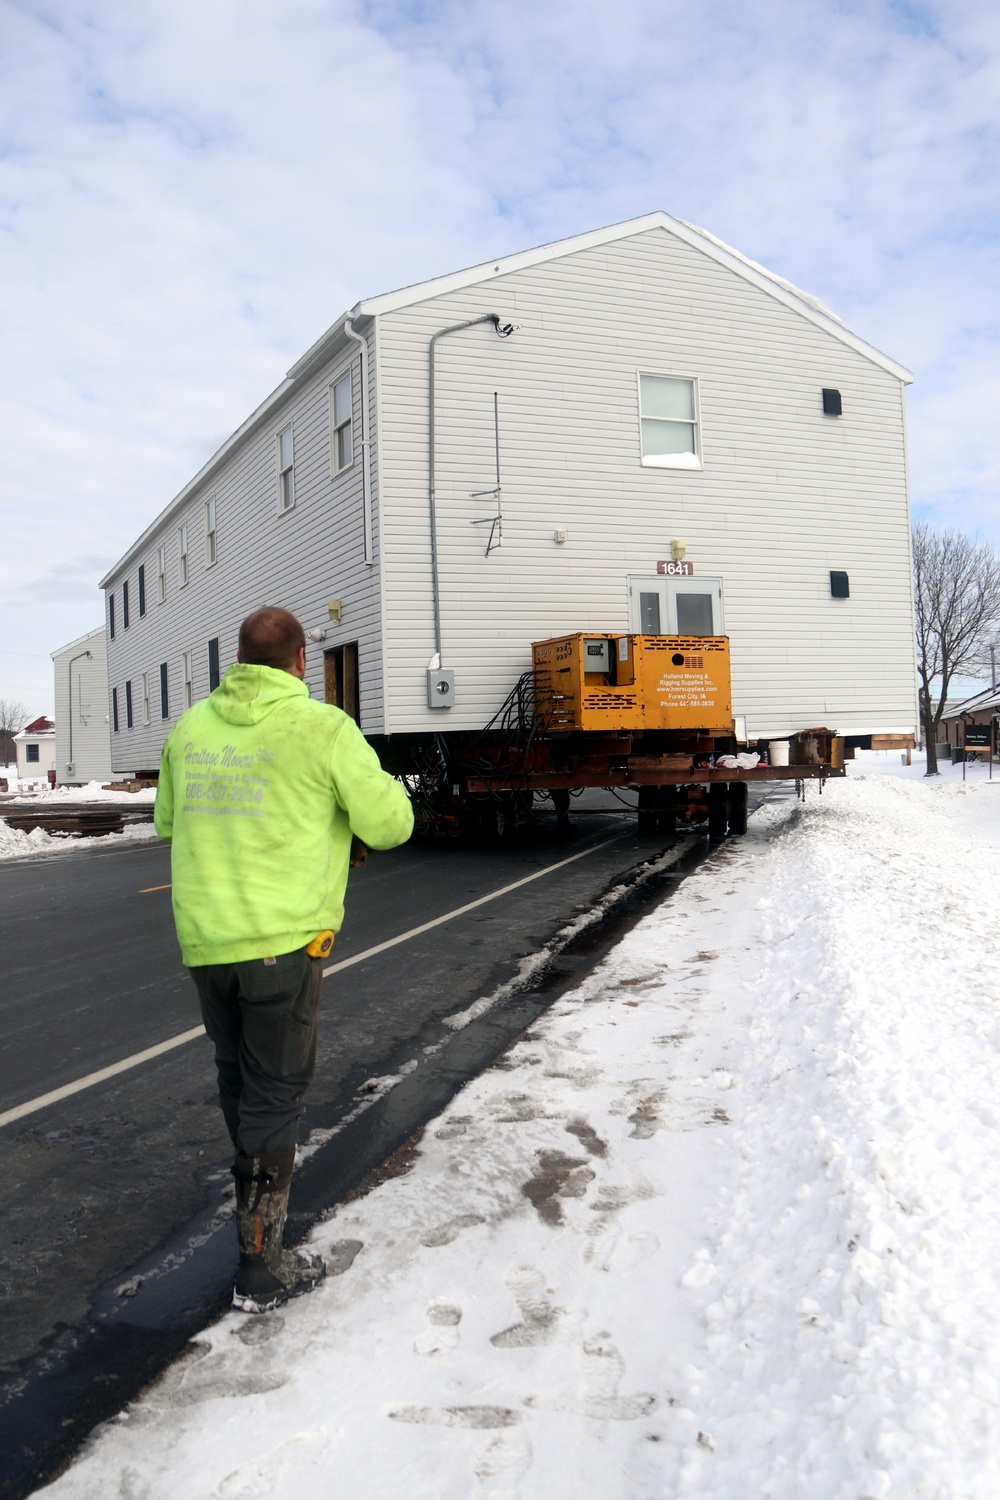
(633, 682)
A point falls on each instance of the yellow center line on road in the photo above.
(68, 1089)
(146, 889)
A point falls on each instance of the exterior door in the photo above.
(676, 606)
(340, 679)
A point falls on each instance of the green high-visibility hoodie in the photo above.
(260, 791)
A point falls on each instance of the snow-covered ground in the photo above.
(15, 844)
(725, 1223)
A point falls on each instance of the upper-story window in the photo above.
(668, 421)
(125, 605)
(111, 616)
(145, 697)
(286, 469)
(341, 425)
(182, 555)
(161, 574)
(210, 547)
(188, 683)
(142, 590)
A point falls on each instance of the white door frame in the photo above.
(665, 591)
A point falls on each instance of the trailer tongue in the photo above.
(649, 712)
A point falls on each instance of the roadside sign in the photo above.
(978, 736)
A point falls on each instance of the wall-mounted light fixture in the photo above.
(678, 549)
(335, 609)
(316, 635)
(559, 535)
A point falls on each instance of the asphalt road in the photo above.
(98, 1181)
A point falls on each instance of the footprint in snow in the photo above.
(539, 1317)
(442, 1335)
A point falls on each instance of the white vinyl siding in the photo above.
(301, 559)
(785, 495)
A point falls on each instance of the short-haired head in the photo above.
(271, 637)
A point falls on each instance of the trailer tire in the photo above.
(738, 803)
(718, 810)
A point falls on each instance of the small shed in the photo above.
(36, 750)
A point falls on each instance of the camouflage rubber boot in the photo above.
(269, 1274)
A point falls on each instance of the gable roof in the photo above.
(783, 291)
(340, 332)
(36, 727)
(979, 703)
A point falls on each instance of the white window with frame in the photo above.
(341, 424)
(182, 556)
(211, 551)
(161, 575)
(669, 432)
(286, 469)
(188, 683)
(145, 697)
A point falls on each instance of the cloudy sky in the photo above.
(192, 190)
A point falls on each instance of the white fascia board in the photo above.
(72, 645)
(782, 291)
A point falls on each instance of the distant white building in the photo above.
(636, 429)
(83, 730)
(36, 750)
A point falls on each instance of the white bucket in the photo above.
(777, 752)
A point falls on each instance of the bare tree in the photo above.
(12, 718)
(956, 584)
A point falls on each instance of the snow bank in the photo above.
(723, 1224)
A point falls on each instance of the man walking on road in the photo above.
(260, 792)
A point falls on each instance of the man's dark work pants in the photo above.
(262, 1018)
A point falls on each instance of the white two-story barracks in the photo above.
(645, 393)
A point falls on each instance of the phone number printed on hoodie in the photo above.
(221, 793)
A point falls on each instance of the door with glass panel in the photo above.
(676, 606)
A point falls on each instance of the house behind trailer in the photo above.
(635, 429)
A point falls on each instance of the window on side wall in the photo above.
(111, 616)
(210, 547)
(142, 590)
(31, 754)
(213, 664)
(125, 605)
(161, 575)
(668, 422)
(128, 704)
(188, 682)
(182, 555)
(145, 697)
(341, 424)
(114, 709)
(286, 469)
(164, 695)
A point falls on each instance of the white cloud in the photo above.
(189, 194)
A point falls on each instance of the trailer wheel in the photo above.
(738, 800)
(718, 810)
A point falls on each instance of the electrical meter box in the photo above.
(633, 682)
